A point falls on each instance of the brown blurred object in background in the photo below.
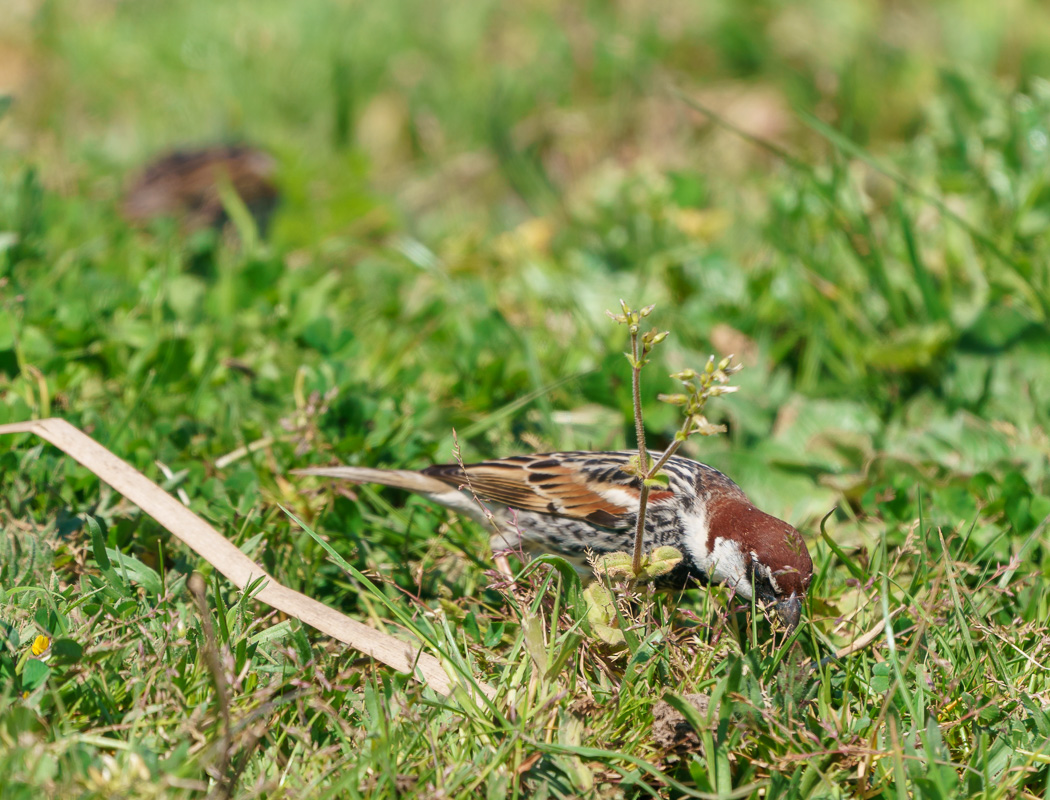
(186, 185)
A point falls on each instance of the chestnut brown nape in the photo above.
(794, 566)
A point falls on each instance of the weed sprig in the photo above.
(699, 387)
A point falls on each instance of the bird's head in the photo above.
(781, 570)
(760, 557)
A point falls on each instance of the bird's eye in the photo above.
(765, 575)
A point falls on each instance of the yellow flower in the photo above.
(41, 645)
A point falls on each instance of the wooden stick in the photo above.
(221, 553)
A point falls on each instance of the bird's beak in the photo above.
(789, 611)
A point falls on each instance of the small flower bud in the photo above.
(716, 391)
(673, 399)
(706, 428)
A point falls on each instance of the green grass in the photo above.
(468, 187)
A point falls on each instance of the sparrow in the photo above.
(184, 184)
(573, 503)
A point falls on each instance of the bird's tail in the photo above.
(398, 478)
(432, 488)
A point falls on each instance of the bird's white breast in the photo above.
(695, 531)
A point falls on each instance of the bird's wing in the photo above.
(586, 486)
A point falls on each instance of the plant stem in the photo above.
(639, 426)
(643, 454)
(643, 498)
(687, 428)
(639, 533)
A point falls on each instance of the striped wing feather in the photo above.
(558, 484)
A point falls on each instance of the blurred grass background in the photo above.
(466, 187)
